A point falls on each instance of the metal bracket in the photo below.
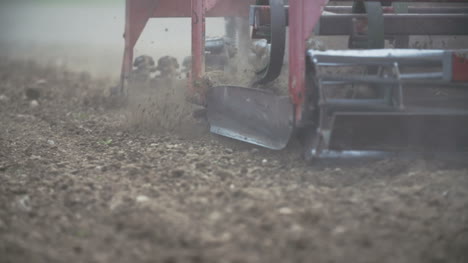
(375, 26)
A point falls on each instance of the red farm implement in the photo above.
(419, 100)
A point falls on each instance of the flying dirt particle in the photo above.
(4, 98)
(264, 161)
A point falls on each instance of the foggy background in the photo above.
(87, 35)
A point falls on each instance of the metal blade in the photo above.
(250, 115)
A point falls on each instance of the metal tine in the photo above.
(379, 57)
(408, 76)
(333, 80)
(431, 63)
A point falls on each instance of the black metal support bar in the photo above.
(395, 24)
(408, 1)
(400, 24)
(411, 9)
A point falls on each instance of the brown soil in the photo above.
(78, 185)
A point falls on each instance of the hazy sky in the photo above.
(67, 26)
(63, 2)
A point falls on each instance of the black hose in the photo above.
(278, 44)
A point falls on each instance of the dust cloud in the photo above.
(88, 37)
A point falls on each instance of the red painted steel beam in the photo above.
(137, 14)
(303, 16)
(411, 9)
(214, 8)
(198, 48)
(460, 67)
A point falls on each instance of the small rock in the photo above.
(264, 161)
(142, 199)
(50, 142)
(35, 235)
(100, 168)
(229, 150)
(215, 216)
(4, 98)
(25, 116)
(24, 203)
(178, 173)
(41, 82)
(339, 230)
(296, 228)
(77, 249)
(316, 44)
(244, 170)
(33, 104)
(201, 165)
(35, 157)
(32, 93)
(223, 174)
(226, 236)
(285, 211)
(172, 146)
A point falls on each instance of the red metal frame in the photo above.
(138, 12)
(198, 49)
(460, 67)
(303, 16)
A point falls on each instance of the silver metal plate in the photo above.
(250, 115)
